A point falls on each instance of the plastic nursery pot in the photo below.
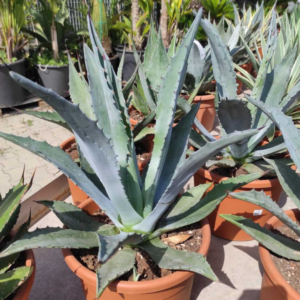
(24, 290)
(274, 286)
(176, 286)
(129, 65)
(11, 93)
(55, 78)
(229, 205)
(78, 195)
(247, 67)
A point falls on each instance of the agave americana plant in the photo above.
(11, 278)
(287, 41)
(289, 180)
(140, 208)
(235, 114)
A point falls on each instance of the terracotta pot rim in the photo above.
(256, 184)
(199, 98)
(65, 143)
(26, 286)
(144, 286)
(268, 264)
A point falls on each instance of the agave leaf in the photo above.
(288, 179)
(158, 65)
(169, 258)
(177, 148)
(276, 243)
(79, 91)
(53, 238)
(166, 104)
(285, 124)
(147, 91)
(204, 207)
(11, 280)
(52, 117)
(145, 132)
(139, 102)
(196, 140)
(121, 65)
(95, 146)
(264, 201)
(290, 98)
(76, 219)
(118, 265)
(222, 64)
(64, 162)
(184, 172)
(150, 48)
(224, 162)
(275, 86)
(109, 245)
(172, 48)
(142, 125)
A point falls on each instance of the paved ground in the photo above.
(13, 158)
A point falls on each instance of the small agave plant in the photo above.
(236, 114)
(11, 278)
(140, 208)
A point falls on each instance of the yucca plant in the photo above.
(140, 208)
(236, 114)
(10, 277)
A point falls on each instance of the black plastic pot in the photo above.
(129, 63)
(55, 78)
(115, 62)
(11, 93)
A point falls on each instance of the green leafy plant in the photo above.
(10, 277)
(216, 9)
(12, 19)
(49, 21)
(140, 208)
(235, 114)
(136, 25)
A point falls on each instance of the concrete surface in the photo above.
(13, 158)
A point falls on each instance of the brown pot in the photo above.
(24, 290)
(247, 67)
(207, 111)
(78, 194)
(274, 286)
(229, 205)
(176, 286)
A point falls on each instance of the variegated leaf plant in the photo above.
(140, 208)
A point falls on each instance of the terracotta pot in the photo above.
(78, 194)
(207, 111)
(247, 67)
(24, 290)
(176, 286)
(274, 286)
(229, 205)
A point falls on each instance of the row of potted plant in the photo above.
(140, 213)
